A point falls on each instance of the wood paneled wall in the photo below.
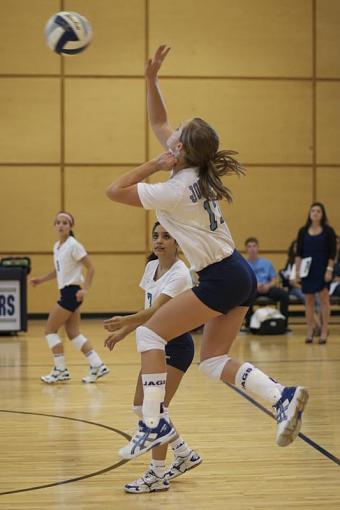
(265, 73)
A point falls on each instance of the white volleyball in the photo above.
(68, 33)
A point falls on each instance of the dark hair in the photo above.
(324, 219)
(292, 252)
(200, 142)
(152, 256)
(251, 240)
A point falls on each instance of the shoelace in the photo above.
(281, 411)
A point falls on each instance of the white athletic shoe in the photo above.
(149, 482)
(56, 375)
(146, 438)
(95, 373)
(289, 411)
(182, 464)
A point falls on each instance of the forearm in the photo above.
(330, 264)
(139, 318)
(133, 177)
(48, 276)
(155, 102)
(298, 266)
(88, 278)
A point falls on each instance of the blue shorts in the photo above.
(226, 284)
(179, 352)
(68, 298)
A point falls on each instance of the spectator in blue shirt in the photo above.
(267, 284)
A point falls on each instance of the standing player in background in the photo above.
(187, 207)
(165, 277)
(69, 258)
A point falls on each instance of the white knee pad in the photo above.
(79, 341)
(138, 411)
(53, 339)
(146, 340)
(213, 367)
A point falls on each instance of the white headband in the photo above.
(68, 216)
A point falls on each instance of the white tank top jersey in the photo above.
(67, 262)
(196, 223)
(175, 281)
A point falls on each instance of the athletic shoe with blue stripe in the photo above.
(289, 411)
(182, 464)
(149, 482)
(146, 438)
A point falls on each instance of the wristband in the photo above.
(331, 269)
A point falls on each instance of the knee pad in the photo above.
(146, 340)
(213, 367)
(53, 339)
(78, 341)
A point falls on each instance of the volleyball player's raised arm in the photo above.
(156, 106)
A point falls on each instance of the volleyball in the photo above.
(68, 33)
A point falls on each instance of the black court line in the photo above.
(302, 436)
(78, 478)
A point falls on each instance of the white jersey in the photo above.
(196, 223)
(175, 281)
(67, 263)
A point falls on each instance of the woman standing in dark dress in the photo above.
(318, 241)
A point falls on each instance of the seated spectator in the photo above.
(267, 284)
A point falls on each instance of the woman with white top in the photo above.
(165, 277)
(69, 258)
(187, 207)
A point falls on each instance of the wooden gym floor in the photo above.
(59, 443)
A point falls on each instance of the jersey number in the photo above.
(212, 219)
(149, 297)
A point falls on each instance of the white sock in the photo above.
(93, 359)
(154, 393)
(158, 467)
(59, 361)
(250, 378)
(180, 448)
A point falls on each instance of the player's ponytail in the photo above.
(200, 143)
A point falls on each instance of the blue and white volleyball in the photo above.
(68, 33)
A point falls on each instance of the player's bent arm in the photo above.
(90, 272)
(124, 188)
(45, 278)
(141, 317)
(131, 322)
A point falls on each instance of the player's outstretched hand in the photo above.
(35, 281)
(154, 64)
(116, 337)
(116, 322)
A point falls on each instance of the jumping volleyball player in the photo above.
(165, 277)
(187, 207)
(69, 258)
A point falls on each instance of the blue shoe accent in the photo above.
(147, 438)
(289, 411)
